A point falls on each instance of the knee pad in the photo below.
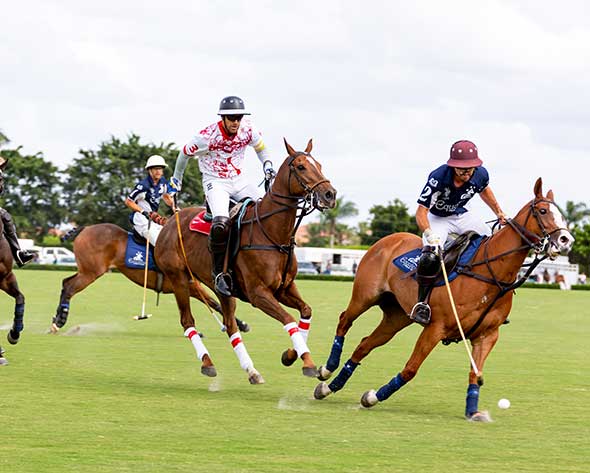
(429, 263)
(219, 232)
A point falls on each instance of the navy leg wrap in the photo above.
(391, 387)
(342, 378)
(471, 400)
(335, 354)
(19, 313)
(61, 316)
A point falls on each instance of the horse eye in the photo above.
(301, 167)
(542, 211)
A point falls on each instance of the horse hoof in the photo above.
(369, 399)
(324, 373)
(13, 337)
(53, 328)
(289, 357)
(480, 417)
(310, 372)
(254, 377)
(243, 326)
(321, 391)
(209, 371)
(3, 361)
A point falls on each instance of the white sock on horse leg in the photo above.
(241, 352)
(303, 326)
(192, 334)
(299, 343)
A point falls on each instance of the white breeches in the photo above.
(140, 223)
(219, 190)
(443, 226)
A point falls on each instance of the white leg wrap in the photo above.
(192, 334)
(304, 326)
(241, 352)
(299, 343)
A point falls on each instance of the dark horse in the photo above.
(483, 298)
(8, 280)
(98, 248)
(265, 266)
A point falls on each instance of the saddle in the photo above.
(457, 254)
(201, 223)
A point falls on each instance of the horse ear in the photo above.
(290, 150)
(309, 146)
(3, 162)
(550, 195)
(539, 188)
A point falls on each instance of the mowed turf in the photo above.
(121, 395)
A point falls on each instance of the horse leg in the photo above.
(228, 310)
(10, 286)
(426, 342)
(70, 287)
(182, 295)
(263, 298)
(356, 307)
(482, 346)
(392, 322)
(292, 298)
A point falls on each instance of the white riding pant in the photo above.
(140, 223)
(443, 226)
(219, 190)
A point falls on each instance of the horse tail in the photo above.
(72, 234)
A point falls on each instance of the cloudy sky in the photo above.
(383, 87)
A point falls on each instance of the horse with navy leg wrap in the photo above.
(483, 293)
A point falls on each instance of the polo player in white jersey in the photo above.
(220, 148)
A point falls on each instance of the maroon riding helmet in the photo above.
(464, 155)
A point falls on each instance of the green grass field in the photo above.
(122, 395)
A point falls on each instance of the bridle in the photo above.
(531, 241)
(304, 205)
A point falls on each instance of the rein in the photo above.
(303, 206)
(531, 241)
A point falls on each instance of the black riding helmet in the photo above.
(232, 105)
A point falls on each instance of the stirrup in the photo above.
(221, 284)
(421, 313)
(22, 257)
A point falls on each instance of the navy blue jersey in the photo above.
(147, 195)
(442, 197)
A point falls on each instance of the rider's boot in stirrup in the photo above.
(428, 268)
(21, 257)
(218, 246)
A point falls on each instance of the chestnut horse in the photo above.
(483, 297)
(8, 280)
(265, 266)
(98, 248)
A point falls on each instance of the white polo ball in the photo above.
(503, 403)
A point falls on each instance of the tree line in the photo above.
(93, 187)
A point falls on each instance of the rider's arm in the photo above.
(262, 151)
(168, 199)
(490, 199)
(422, 218)
(133, 205)
(181, 162)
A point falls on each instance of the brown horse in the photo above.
(8, 280)
(483, 297)
(98, 248)
(265, 266)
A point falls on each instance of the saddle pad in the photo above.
(135, 255)
(198, 224)
(409, 261)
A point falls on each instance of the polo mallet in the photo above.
(447, 284)
(193, 280)
(143, 315)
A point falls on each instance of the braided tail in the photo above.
(72, 234)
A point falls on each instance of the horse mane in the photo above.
(72, 234)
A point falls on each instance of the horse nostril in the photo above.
(564, 240)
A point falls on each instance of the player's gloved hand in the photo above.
(269, 172)
(174, 185)
(157, 218)
(146, 214)
(432, 238)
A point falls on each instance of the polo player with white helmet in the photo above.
(220, 148)
(441, 211)
(144, 200)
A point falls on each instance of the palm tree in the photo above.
(331, 217)
(575, 213)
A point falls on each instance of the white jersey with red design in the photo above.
(220, 155)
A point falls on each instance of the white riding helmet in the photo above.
(155, 161)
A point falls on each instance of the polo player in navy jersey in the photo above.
(442, 211)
